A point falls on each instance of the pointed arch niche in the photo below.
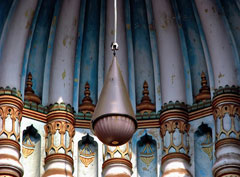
(31, 152)
(203, 147)
(87, 157)
(147, 156)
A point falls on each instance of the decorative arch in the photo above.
(203, 151)
(31, 151)
(87, 157)
(147, 156)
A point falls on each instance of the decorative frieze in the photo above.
(174, 130)
(117, 160)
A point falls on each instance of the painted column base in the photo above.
(117, 167)
(176, 165)
(58, 165)
(9, 158)
(227, 158)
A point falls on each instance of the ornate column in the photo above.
(174, 133)
(117, 161)
(59, 141)
(174, 117)
(226, 98)
(226, 112)
(11, 106)
(60, 120)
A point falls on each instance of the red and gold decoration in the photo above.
(117, 157)
(87, 106)
(28, 146)
(11, 107)
(29, 93)
(146, 105)
(147, 154)
(174, 123)
(226, 113)
(86, 155)
(114, 121)
(59, 133)
(174, 129)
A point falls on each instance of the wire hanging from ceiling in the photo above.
(114, 45)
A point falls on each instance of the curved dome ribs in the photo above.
(37, 45)
(149, 41)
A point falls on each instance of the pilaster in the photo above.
(117, 161)
(226, 112)
(174, 132)
(11, 107)
(59, 132)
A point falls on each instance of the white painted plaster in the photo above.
(228, 158)
(39, 126)
(61, 81)
(121, 38)
(10, 162)
(115, 169)
(14, 45)
(79, 134)
(169, 52)
(218, 43)
(173, 164)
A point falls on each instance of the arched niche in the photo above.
(203, 151)
(147, 156)
(31, 152)
(87, 157)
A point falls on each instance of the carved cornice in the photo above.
(9, 142)
(35, 115)
(117, 161)
(60, 115)
(35, 107)
(10, 91)
(61, 107)
(173, 114)
(174, 105)
(227, 90)
(227, 141)
(174, 156)
(58, 156)
(11, 100)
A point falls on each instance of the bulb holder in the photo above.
(115, 129)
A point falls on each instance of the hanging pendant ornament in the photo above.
(113, 120)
